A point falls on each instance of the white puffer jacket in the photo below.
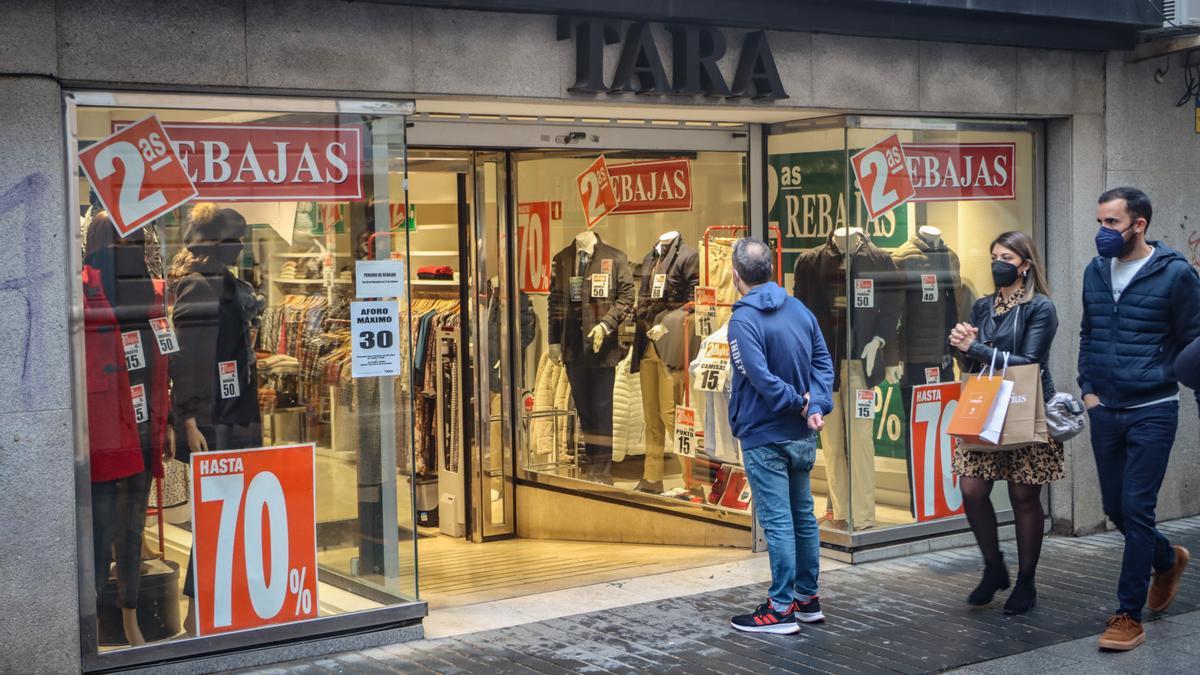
(551, 393)
(629, 423)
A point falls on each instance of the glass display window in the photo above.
(888, 274)
(247, 353)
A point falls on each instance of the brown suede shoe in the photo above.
(1166, 584)
(1124, 633)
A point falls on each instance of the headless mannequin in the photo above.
(585, 242)
(664, 241)
(932, 236)
(871, 351)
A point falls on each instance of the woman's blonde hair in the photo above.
(1022, 244)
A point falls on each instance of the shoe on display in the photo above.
(650, 486)
(766, 620)
(1165, 585)
(834, 524)
(1124, 633)
(696, 491)
(808, 612)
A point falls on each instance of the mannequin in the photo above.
(931, 286)
(128, 431)
(591, 293)
(670, 273)
(213, 314)
(870, 309)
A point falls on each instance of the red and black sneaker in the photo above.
(767, 620)
(808, 612)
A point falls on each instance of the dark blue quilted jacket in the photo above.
(1127, 349)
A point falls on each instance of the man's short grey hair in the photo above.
(752, 261)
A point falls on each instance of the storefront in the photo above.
(475, 306)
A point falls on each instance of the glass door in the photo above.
(497, 328)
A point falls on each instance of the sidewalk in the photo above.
(905, 616)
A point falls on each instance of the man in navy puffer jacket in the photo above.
(1141, 307)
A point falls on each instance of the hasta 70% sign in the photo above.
(254, 537)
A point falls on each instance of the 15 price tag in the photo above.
(254, 537)
(685, 431)
(864, 404)
(929, 290)
(227, 378)
(167, 343)
(141, 412)
(713, 370)
(864, 293)
(137, 175)
(135, 357)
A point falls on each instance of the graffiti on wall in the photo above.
(30, 281)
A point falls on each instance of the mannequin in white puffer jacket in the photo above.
(629, 424)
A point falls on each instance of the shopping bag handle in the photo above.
(1005, 370)
(992, 370)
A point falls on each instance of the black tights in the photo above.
(1027, 511)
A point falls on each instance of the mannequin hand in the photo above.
(871, 351)
(816, 421)
(962, 336)
(597, 336)
(894, 373)
(169, 447)
(195, 439)
(656, 332)
(556, 353)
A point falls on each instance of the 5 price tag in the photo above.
(167, 342)
(254, 537)
(140, 412)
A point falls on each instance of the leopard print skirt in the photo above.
(1035, 464)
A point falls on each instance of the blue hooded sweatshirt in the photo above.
(778, 355)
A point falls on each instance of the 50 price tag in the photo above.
(254, 537)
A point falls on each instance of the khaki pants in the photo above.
(851, 474)
(662, 390)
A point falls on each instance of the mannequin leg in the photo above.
(833, 449)
(133, 493)
(862, 456)
(656, 433)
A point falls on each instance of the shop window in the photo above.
(224, 325)
(627, 297)
(887, 290)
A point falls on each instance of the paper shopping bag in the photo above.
(994, 425)
(1026, 419)
(975, 405)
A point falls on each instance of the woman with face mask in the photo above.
(215, 384)
(1020, 319)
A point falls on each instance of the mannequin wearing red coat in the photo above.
(127, 439)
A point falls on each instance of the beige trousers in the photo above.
(851, 473)
(662, 390)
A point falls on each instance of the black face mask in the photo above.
(1004, 274)
(229, 252)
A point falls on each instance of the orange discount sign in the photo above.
(137, 175)
(254, 537)
(882, 173)
(596, 192)
(936, 493)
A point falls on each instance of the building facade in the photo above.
(474, 153)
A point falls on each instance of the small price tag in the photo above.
(864, 404)
(685, 431)
(135, 358)
(659, 285)
(864, 293)
(140, 412)
(933, 375)
(606, 266)
(599, 286)
(576, 284)
(929, 290)
(714, 367)
(228, 377)
(167, 344)
(706, 311)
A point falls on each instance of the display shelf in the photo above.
(316, 254)
(310, 282)
(432, 254)
(434, 282)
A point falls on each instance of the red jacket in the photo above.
(115, 445)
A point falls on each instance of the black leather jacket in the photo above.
(1025, 332)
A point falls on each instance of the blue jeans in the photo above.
(1132, 448)
(779, 482)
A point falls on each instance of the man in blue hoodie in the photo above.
(1141, 307)
(782, 389)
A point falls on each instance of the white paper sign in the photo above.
(864, 293)
(929, 288)
(228, 376)
(379, 279)
(167, 343)
(135, 357)
(140, 412)
(375, 338)
(599, 285)
(685, 431)
(864, 404)
(659, 285)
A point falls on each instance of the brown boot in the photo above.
(1124, 633)
(1166, 584)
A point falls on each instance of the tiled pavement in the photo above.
(905, 616)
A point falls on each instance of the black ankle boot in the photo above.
(995, 578)
(1023, 598)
